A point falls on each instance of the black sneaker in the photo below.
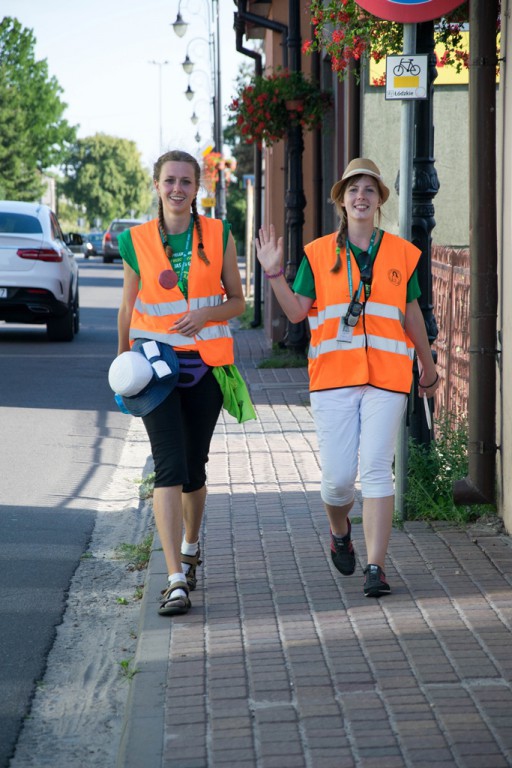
(192, 561)
(375, 584)
(342, 553)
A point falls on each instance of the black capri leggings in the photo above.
(180, 431)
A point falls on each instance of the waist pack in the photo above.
(192, 369)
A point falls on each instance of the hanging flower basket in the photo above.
(269, 105)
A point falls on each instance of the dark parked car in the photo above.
(110, 247)
(38, 270)
(94, 244)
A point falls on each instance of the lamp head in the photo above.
(180, 26)
(188, 65)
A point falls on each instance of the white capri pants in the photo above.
(351, 423)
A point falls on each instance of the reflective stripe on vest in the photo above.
(208, 333)
(358, 342)
(158, 310)
(339, 310)
(385, 310)
(176, 307)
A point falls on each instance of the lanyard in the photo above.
(349, 265)
(187, 253)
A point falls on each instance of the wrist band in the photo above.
(427, 386)
(277, 274)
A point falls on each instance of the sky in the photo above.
(99, 51)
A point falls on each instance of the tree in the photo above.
(236, 197)
(33, 134)
(104, 174)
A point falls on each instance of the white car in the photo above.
(38, 271)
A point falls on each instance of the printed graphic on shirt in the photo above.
(395, 276)
(181, 266)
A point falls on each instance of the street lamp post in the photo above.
(188, 64)
(296, 337)
(160, 64)
(180, 28)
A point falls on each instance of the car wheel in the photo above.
(108, 259)
(62, 328)
(76, 313)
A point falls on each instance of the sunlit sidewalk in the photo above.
(282, 662)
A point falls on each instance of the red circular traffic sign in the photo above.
(409, 11)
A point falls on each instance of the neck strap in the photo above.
(349, 264)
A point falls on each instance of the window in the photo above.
(19, 224)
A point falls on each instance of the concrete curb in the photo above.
(144, 719)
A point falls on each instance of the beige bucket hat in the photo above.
(356, 167)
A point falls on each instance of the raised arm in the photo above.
(270, 255)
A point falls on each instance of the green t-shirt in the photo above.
(178, 243)
(304, 283)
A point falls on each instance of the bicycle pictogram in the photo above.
(406, 66)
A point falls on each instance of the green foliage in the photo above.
(236, 204)
(128, 671)
(433, 469)
(283, 358)
(244, 321)
(68, 213)
(137, 554)
(104, 174)
(242, 152)
(236, 195)
(147, 486)
(33, 134)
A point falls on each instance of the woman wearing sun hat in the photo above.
(358, 288)
(181, 286)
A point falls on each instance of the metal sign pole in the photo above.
(405, 226)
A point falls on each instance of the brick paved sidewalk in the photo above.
(282, 662)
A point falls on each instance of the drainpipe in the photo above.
(242, 16)
(479, 487)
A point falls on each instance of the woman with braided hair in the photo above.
(358, 288)
(181, 286)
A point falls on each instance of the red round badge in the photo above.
(168, 278)
(409, 11)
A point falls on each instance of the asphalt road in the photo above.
(61, 435)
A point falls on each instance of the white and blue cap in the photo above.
(144, 376)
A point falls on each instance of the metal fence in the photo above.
(450, 292)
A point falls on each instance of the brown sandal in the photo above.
(193, 561)
(173, 606)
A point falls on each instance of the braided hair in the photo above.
(177, 155)
(341, 237)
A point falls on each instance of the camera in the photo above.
(353, 313)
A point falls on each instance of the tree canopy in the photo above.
(33, 134)
(104, 174)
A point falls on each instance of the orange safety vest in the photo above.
(156, 309)
(380, 352)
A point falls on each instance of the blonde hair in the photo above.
(178, 156)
